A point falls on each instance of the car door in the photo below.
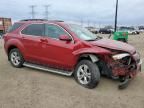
(32, 38)
(57, 53)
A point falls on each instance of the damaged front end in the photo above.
(123, 66)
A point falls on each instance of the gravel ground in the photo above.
(29, 88)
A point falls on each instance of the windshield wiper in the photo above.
(91, 40)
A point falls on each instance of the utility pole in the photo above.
(47, 11)
(81, 22)
(33, 11)
(116, 12)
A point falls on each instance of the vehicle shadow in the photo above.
(105, 81)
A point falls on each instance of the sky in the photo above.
(91, 12)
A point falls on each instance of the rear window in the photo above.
(34, 29)
(14, 27)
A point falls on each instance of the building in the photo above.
(5, 23)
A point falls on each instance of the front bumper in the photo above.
(133, 72)
(127, 80)
(125, 72)
(138, 63)
(130, 70)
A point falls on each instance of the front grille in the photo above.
(126, 60)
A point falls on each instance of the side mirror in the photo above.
(65, 38)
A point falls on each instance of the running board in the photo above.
(39, 67)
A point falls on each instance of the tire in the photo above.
(122, 40)
(93, 74)
(16, 58)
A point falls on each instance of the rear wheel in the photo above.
(16, 58)
(87, 74)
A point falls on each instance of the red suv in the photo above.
(69, 49)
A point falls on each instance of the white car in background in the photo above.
(133, 32)
(141, 29)
(130, 30)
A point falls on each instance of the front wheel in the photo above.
(87, 74)
(16, 58)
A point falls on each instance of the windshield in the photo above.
(82, 33)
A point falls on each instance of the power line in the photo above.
(47, 11)
(33, 11)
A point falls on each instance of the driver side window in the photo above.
(54, 31)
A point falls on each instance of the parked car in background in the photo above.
(109, 27)
(105, 31)
(137, 31)
(130, 30)
(70, 49)
(141, 29)
(92, 29)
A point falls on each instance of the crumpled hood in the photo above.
(115, 45)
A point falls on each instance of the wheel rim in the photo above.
(15, 58)
(83, 74)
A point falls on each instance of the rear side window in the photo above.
(14, 27)
(34, 29)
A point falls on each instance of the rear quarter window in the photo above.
(14, 27)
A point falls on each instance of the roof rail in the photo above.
(41, 20)
(34, 20)
(57, 20)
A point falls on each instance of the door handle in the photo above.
(43, 40)
(23, 37)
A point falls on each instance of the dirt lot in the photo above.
(28, 88)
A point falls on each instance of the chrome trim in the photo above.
(66, 73)
(61, 28)
(20, 32)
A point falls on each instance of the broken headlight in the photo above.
(120, 56)
(123, 58)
